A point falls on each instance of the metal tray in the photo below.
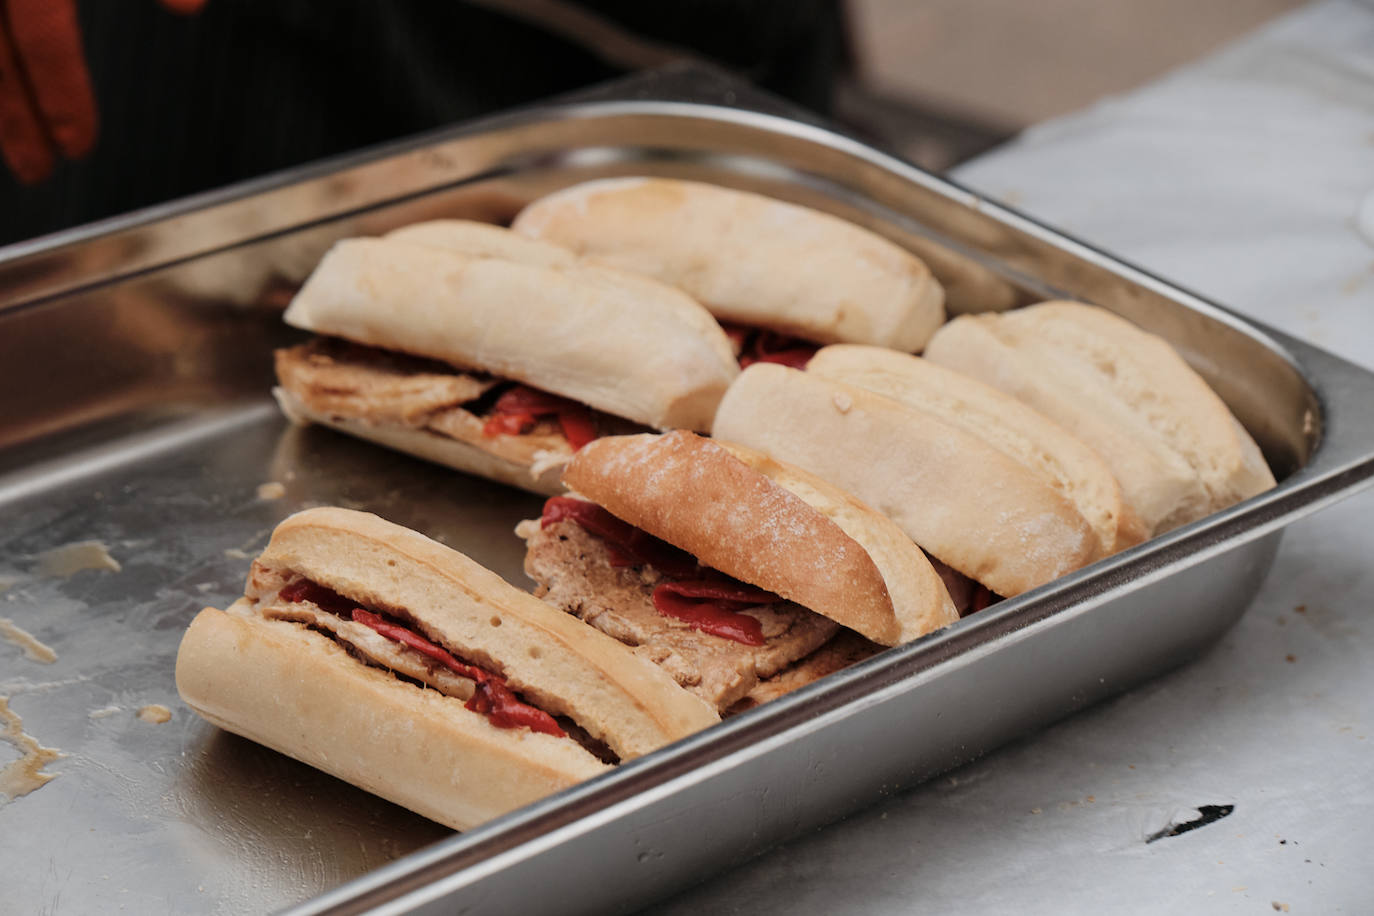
(134, 363)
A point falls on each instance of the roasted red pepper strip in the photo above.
(492, 698)
(713, 607)
(520, 407)
(325, 598)
(738, 333)
(708, 604)
(760, 345)
(730, 591)
(796, 357)
(578, 426)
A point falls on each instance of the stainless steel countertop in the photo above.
(1244, 177)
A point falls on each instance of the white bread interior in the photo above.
(657, 359)
(959, 498)
(748, 258)
(767, 525)
(1172, 443)
(1020, 432)
(302, 694)
(500, 458)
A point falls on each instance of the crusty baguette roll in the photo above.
(483, 240)
(1020, 432)
(960, 499)
(659, 360)
(302, 694)
(769, 525)
(748, 258)
(1171, 442)
(266, 669)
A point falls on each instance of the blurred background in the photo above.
(190, 95)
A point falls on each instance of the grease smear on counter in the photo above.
(33, 649)
(70, 559)
(26, 774)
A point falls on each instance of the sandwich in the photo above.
(368, 651)
(726, 568)
(966, 503)
(1176, 449)
(1018, 431)
(472, 347)
(780, 277)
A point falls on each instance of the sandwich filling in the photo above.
(715, 635)
(350, 381)
(968, 595)
(389, 639)
(762, 345)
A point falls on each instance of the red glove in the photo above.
(46, 104)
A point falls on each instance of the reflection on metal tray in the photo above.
(134, 364)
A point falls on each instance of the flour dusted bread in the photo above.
(659, 361)
(723, 567)
(1171, 442)
(769, 525)
(1023, 434)
(748, 258)
(341, 604)
(962, 500)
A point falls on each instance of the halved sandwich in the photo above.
(1127, 394)
(1018, 431)
(781, 278)
(373, 653)
(965, 502)
(472, 347)
(725, 567)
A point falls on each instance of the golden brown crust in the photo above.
(564, 666)
(920, 601)
(956, 496)
(695, 494)
(302, 694)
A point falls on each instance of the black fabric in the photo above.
(250, 86)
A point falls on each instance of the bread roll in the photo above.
(959, 498)
(768, 525)
(315, 684)
(748, 258)
(659, 360)
(1018, 431)
(1171, 442)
